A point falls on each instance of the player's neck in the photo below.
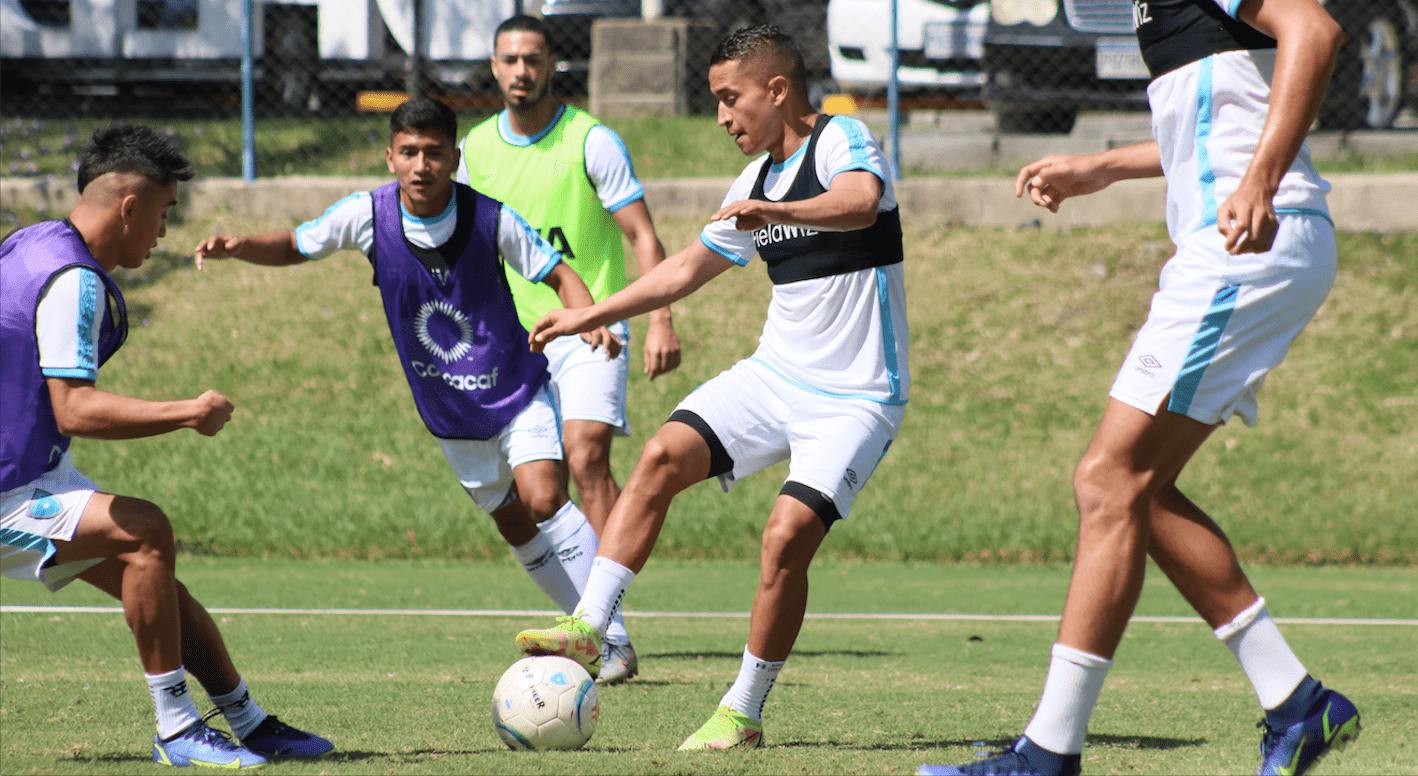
(796, 131)
(530, 121)
(98, 234)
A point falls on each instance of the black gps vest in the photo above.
(795, 253)
(1174, 33)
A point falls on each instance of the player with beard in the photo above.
(572, 179)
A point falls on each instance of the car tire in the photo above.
(1366, 91)
(1035, 119)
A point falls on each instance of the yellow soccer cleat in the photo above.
(571, 637)
(727, 729)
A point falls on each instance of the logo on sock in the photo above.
(177, 690)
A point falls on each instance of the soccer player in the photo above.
(438, 250)
(1235, 87)
(573, 181)
(826, 389)
(62, 317)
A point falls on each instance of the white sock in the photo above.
(576, 544)
(1264, 655)
(1070, 693)
(538, 557)
(605, 587)
(750, 690)
(175, 709)
(241, 712)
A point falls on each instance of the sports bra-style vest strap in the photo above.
(1175, 33)
(794, 253)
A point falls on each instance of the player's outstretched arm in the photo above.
(1053, 179)
(675, 278)
(1307, 43)
(83, 410)
(271, 249)
(572, 291)
(662, 350)
(850, 204)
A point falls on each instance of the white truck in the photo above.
(309, 53)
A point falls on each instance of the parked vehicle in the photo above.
(1045, 60)
(940, 44)
(311, 54)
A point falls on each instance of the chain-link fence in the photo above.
(1030, 65)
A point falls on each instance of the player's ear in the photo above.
(389, 159)
(778, 88)
(127, 207)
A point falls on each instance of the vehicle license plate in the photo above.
(952, 40)
(1120, 58)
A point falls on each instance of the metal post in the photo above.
(893, 95)
(650, 10)
(414, 85)
(248, 88)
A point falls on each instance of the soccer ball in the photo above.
(545, 702)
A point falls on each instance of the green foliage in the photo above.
(410, 694)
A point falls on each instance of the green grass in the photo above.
(409, 694)
(1016, 336)
(671, 147)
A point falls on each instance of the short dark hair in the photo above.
(135, 149)
(521, 23)
(762, 39)
(422, 115)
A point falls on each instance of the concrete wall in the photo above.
(1359, 202)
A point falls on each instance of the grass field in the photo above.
(1016, 336)
(409, 693)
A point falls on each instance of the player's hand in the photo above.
(213, 412)
(748, 214)
(1247, 219)
(218, 246)
(662, 352)
(601, 337)
(1053, 179)
(556, 323)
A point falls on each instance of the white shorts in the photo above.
(1220, 323)
(833, 445)
(586, 385)
(484, 466)
(35, 516)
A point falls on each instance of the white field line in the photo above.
(691, 615)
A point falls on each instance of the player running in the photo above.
(826, 389)
(438, 250)
(62, 318)
(573, 181)
(1236, 85)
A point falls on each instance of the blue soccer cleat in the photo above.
(274, 738)
(1290, 752)
(201, 745)
(1025, 758)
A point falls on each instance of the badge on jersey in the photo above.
(44, 505)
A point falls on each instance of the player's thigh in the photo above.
(838, 443)
(587, 386)
(741, 412)
(1220, 324)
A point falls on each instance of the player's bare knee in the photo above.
(589, 464)
(151, 529)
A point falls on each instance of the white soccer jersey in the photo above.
(67, 324)
(842, 335)
(349, 224)
(1207, 118)
(608, 164)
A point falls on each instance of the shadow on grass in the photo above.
(739, 655)
(997, 745)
